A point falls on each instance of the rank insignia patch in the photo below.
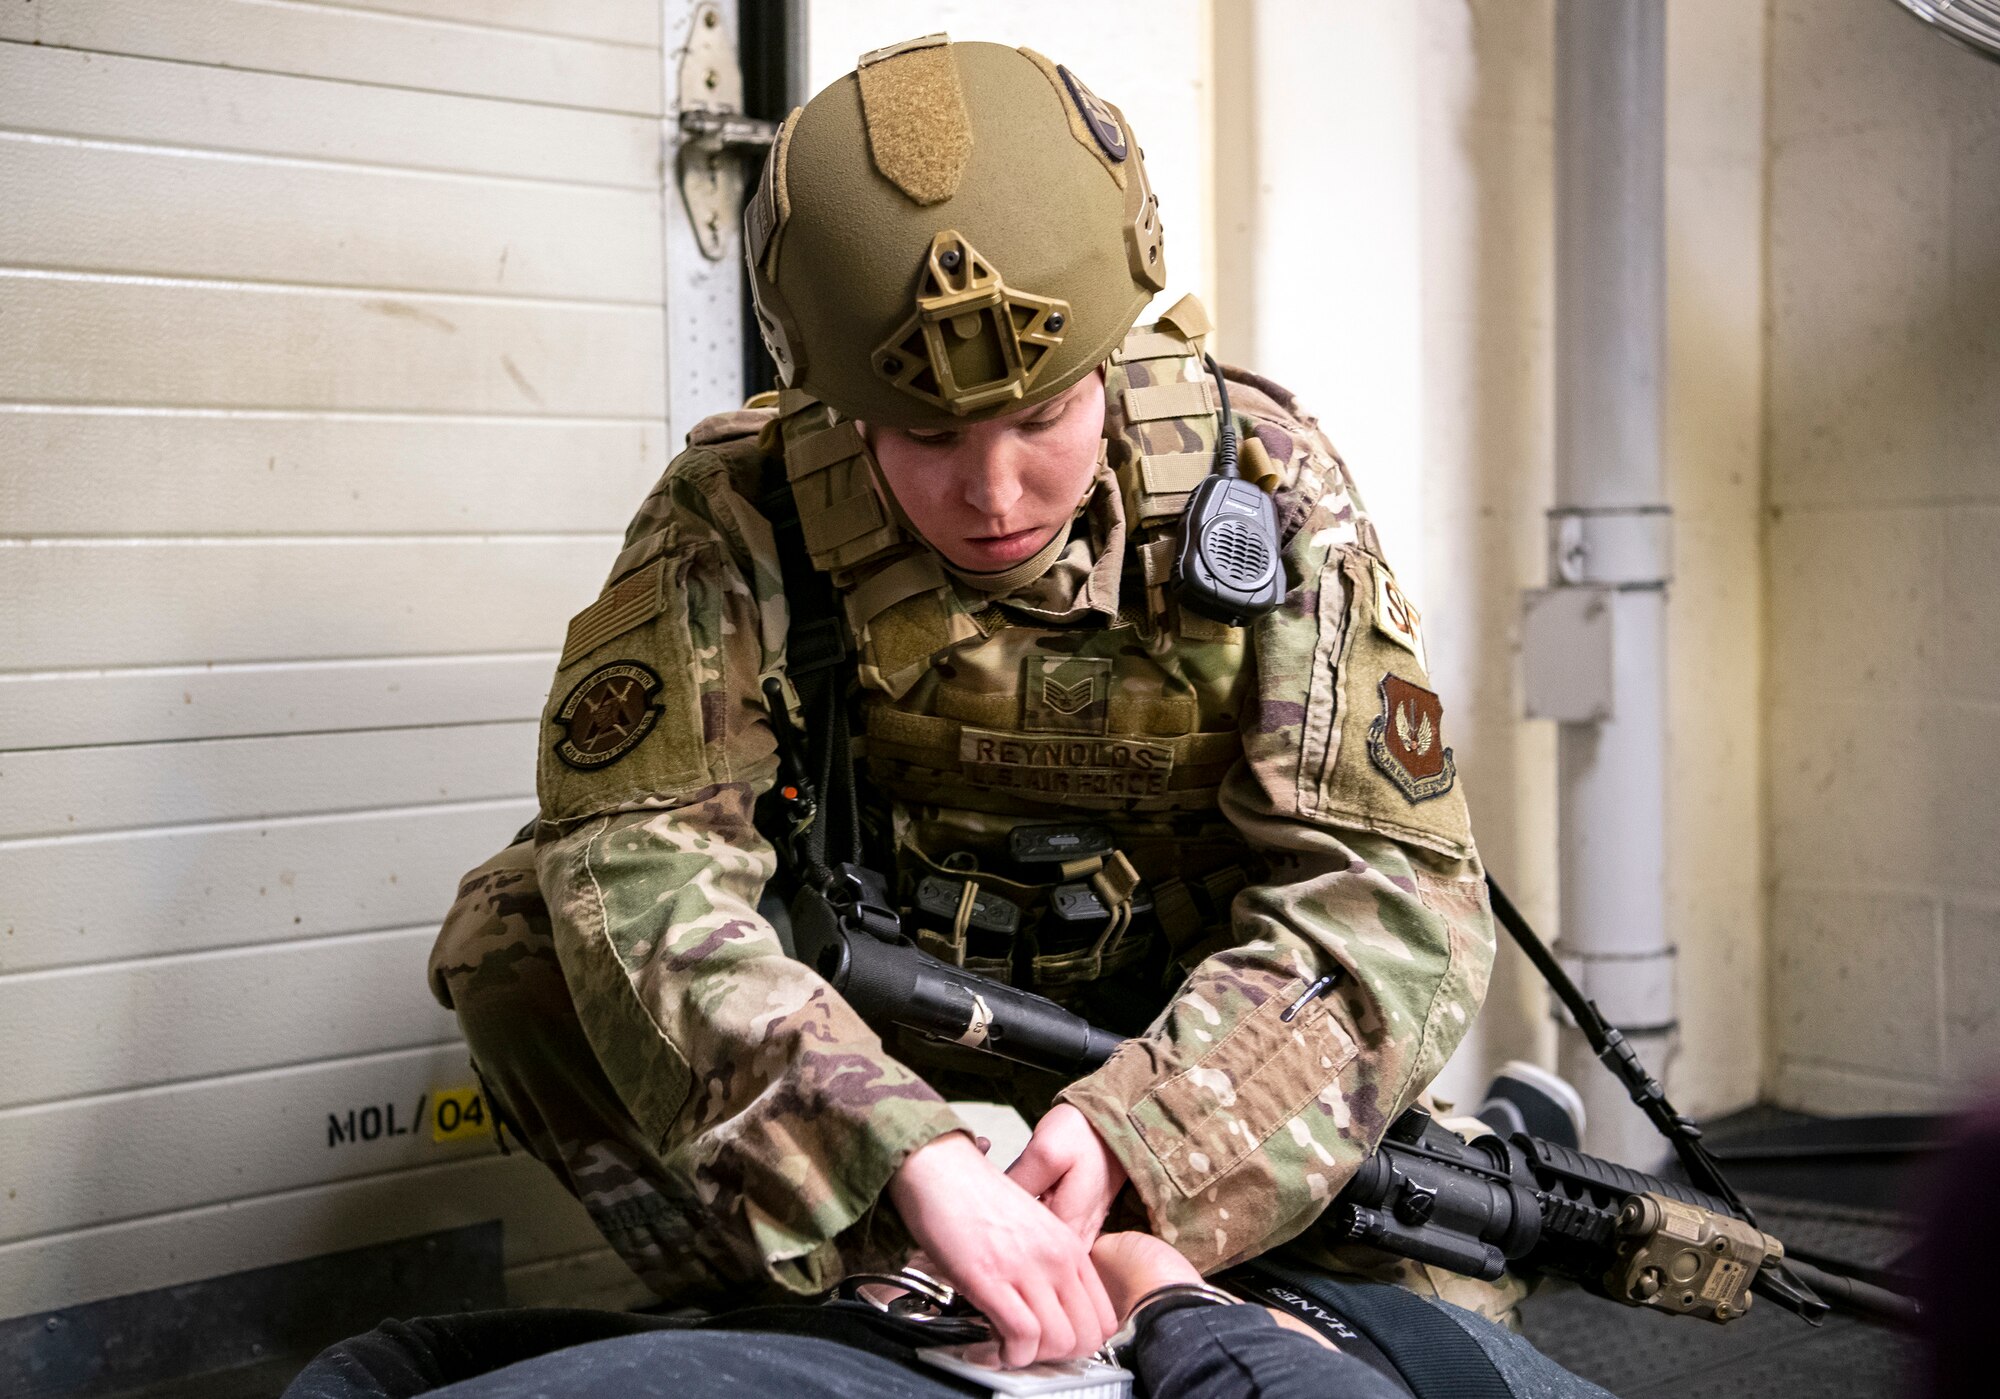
(1406, 741)
(1065, 694)
(606, 715)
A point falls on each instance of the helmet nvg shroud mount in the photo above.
(949, 233)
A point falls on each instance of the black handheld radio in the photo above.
(1229, 568)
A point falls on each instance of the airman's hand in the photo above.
(1068, 1167)
(1016, 1262)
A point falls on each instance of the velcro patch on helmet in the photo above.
(919, 131)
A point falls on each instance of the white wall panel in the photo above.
(131, 1025)
(137, 1255)
(1335, 139)
(615, 21)
(127, 1155)
(78, 338)
(68, 709)
(52, 791)
(335, 359)
(214, 216)
(107, 98)
(356, 45)
(154, 602)
(70, 471)
(75, 900)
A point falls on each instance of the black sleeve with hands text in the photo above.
(1242, 1353)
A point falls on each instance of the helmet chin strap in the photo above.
(1022, 573)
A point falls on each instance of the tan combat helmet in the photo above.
(949, 233)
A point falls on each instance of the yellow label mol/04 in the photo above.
(460, 1113)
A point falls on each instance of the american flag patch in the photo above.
(633, 599)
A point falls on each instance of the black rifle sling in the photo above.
(1779, 1281)
(816, 662)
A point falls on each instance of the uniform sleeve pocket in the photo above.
(619, 1010)
(1204, 1120)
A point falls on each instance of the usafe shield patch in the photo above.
(1065, 694)
(1052, 768)
(606, 714)
(1406, 741)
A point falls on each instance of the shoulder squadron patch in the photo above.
(606, 714)
(1406, 741)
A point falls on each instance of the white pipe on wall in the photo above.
(1609, 534)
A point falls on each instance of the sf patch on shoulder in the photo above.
(1406, 740)
(1395, 616)
(606, 714)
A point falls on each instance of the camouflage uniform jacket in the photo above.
(778, 1115)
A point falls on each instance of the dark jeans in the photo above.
(845, 1349)
(788, 1353)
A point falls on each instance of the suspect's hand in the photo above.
(1131, 1265)
(1068, 1167)
(1016, 1262)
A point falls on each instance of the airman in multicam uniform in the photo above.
(957, 240)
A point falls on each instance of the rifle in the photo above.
(1425, 1194)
